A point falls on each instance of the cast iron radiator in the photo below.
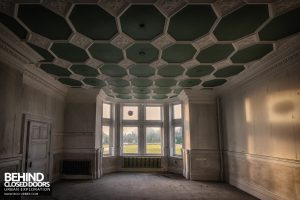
(141, 162)
(76, 167)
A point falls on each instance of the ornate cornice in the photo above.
(38, 79)
(11, 57)
(198, 97)
(17, 54)
(285, 55)
(15, 50)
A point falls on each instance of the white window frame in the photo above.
(161, 140)
(108, 122)
(142, 123)
(175, 123)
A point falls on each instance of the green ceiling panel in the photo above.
(229, 71)
(142, 70)
(160, 96)
(69, 52)
(141, 82)
(215, 53)
(84, 70)
(44, 22)
(141, 90)
(281, 26)
(142, 22)
(43, 52)
(113, 70)
(90, 20)
(142, 53)
(106, 52)
(178, 53)
(70, 82)
(123, 96)
(162, 90)
(200, 70)
(192, 22)
(13, 25)
(171, 71)
(118, 82)
(252, 53)
(55, 70)
(189, 82)
(214, 83)
(165, 82)
(241, 22)
(94, 82)
(121, 90)
(141, 96)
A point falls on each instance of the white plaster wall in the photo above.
(203, 126)
(16, 99)
(37, 103)
(261, 122)
(80, 119)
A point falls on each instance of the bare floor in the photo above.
(131, 186)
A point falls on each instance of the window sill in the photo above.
(178, 157)
(108, 156)
(142, 155)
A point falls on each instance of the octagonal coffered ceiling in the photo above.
(149, 49)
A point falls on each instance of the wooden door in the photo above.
(38, 148)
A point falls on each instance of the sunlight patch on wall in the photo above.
(284, 107)
(248, 111)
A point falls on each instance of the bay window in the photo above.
(141, 130)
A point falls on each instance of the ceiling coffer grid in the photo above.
(149, 50)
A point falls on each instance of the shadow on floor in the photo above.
(136, 186)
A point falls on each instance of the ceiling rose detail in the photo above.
(222, 64)
(103, 77)
(207, 78)
(247, 41)
(158, 63)
(126, 63)
(181, 78)
(81, 40)
(62, 63)
(122, 41)
(225, 7)
(283, 5)
(190, 63)
(115, 7)
(39, 40)
(60, 7)
(169, 7)
(163, 41)
(77, 77)
(92, 62)
(204, 42)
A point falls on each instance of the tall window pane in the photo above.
(153, 113)
(130, 140)
(178, 139)
(106, 111)
(153, 140)
(130, 113)
(105, 139)
(177, 111)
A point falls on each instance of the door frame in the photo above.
(27, 118)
